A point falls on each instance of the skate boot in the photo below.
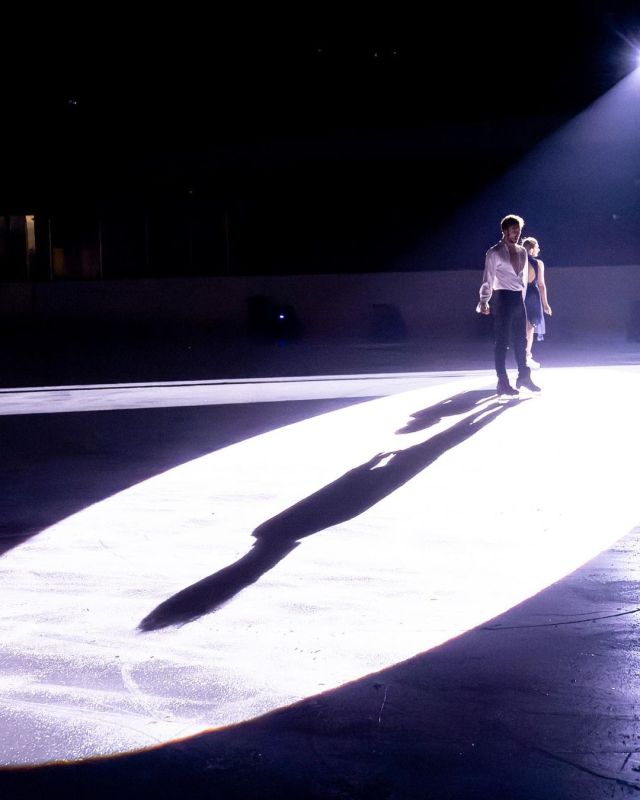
(532, 363)
(526, 382)
(505, 389)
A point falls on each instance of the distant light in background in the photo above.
(631, 60)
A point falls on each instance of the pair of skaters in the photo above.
(514, 282)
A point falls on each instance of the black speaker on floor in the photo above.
(387, 323)
(633, 322)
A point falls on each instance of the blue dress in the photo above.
(533, 303)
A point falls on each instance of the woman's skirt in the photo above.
(535, 314)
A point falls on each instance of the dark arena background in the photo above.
(267, 528)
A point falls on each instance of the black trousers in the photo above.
(509, 327)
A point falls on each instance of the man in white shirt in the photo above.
(505, 283)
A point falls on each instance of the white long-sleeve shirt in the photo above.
(499, 272)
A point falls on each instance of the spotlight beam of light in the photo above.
(578, 191)
(428, 554)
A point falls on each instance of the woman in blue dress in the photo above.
(535, 300)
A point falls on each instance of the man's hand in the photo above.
(483, 308)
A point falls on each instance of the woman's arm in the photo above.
(542, 288)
